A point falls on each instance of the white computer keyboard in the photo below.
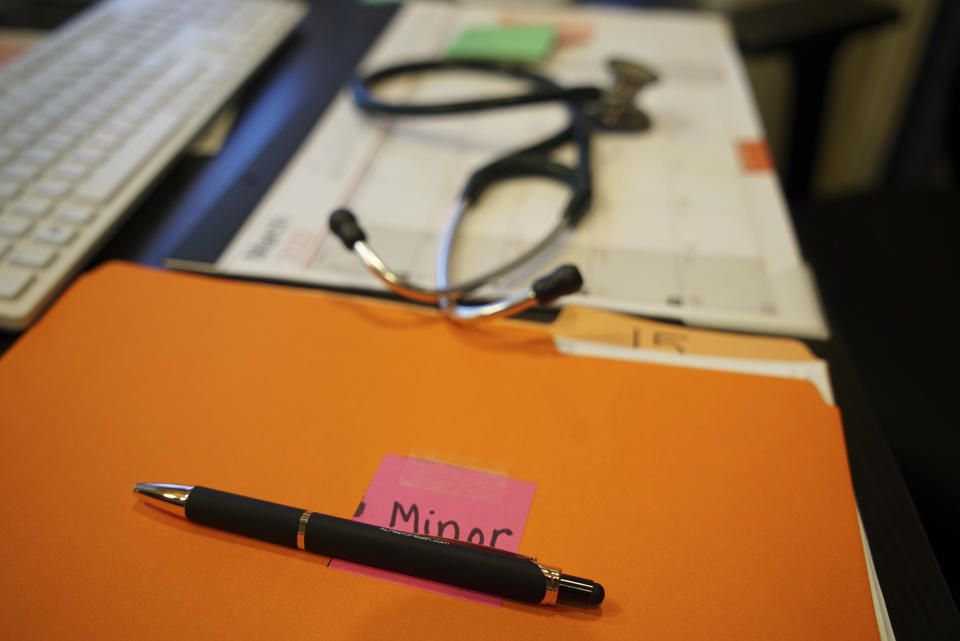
(91, 116)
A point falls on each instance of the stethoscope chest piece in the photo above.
(616, 109)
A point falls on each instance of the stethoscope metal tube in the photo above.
(562, 281)
(445, 250)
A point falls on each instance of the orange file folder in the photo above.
(710, 505)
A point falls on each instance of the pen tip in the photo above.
(167, 497)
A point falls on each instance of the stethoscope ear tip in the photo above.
(564, 280)
(345, 226)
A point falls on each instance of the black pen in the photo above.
(466, 565)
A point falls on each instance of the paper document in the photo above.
(687, 221)
(584, 323)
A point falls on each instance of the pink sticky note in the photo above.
(424, 497)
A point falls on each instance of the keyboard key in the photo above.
(52, 188)
(34, 125)
(70, 171)
(12, 227)
(103, 141)
(101, 185)
(53, 234)
(58, 141)
(33, 256)
(19, 98)
(118, 127)
(87, 156)
(133, 113)
(20, 172)
(92, 112)
(73, 128)
(39, 156)
(56, 110)
(13, 282)
(8, 190)
(32, 206)
(86, 119)
(16, 138)
(75, 213)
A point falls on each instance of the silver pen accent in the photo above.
(165, 496)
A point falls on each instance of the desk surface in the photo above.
(280, 106)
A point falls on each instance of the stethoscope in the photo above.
(587, 107)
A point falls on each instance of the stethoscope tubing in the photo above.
(532, 160)
(545, 89)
